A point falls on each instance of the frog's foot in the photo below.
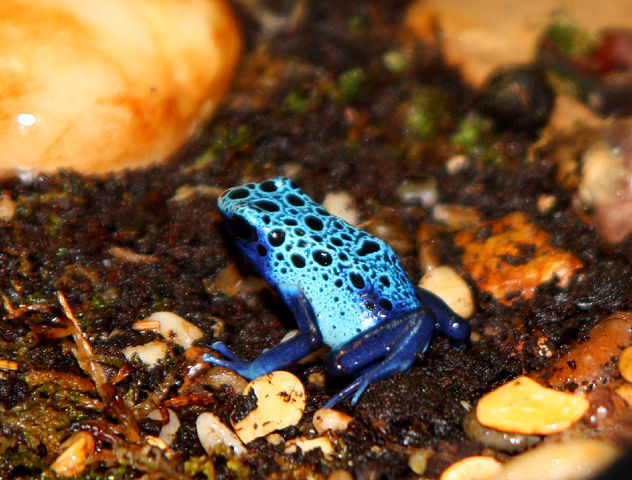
(224, 350)
(401, 340)
(448, 323)
(276, 358)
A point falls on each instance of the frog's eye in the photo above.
(242, 229)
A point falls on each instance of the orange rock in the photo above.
(513, 258)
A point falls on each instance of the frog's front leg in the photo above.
(380, 352)
(283, 355)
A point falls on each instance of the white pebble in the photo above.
(444, 282)
(176, 328)
(472, 468)
(170, 429)
(342, 205)
(568, 460)
(280, 404)
(151, 353)
(330, 419)
(212, 432)
(306, 444)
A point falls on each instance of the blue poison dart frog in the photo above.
(345, 287)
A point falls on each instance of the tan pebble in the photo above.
(625, 391)
(342, 205)
(170, 429)
(218, 376)
(212, 432)
(472, 468)
(228, 281)
(330, 419)
(318, 379)
(625, 364)
(176, 328)
(444, 282)
(305, 444)
(340, 475)
(7, 207)
(72, 460)
(280, 404)
(456, 164)
(589, 364)
(455, 216)
(151, 353)
(524, 406)
(570, 460)
(275, 439)
(418, 459)
(156, 442)
(546, 203)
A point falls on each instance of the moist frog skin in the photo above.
(345, 287)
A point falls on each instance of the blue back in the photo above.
(352, 280)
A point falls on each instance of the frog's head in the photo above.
(256, 214)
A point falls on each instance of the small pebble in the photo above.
(340, 475)
(151, 353)
(418, 459)
(625, 364)
(176, 328)
(72, 461)
(305, 444)
(423, 191)
(492, 438)
(170, 429)
(280, 404)
(546, 203)
(568, 460)
(156, 442)
(213, 432)
(319, 379)
(275, 439)
(217, 376)
(342, 205)
(456, 163)
(444, 282)
(456, 216)
(472, 468)
(524, 406)
(7, 207)
(330, 419)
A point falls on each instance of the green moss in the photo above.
(351, 84)
(471, 133)
(568, 38)
(295, 103)
(427, 113)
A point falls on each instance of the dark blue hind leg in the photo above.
(282, 355)
(448, 323)
(381, 352)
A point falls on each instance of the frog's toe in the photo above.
(224, 350)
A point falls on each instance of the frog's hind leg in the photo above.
(448, 323)
(281, 356)
(380, 352)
